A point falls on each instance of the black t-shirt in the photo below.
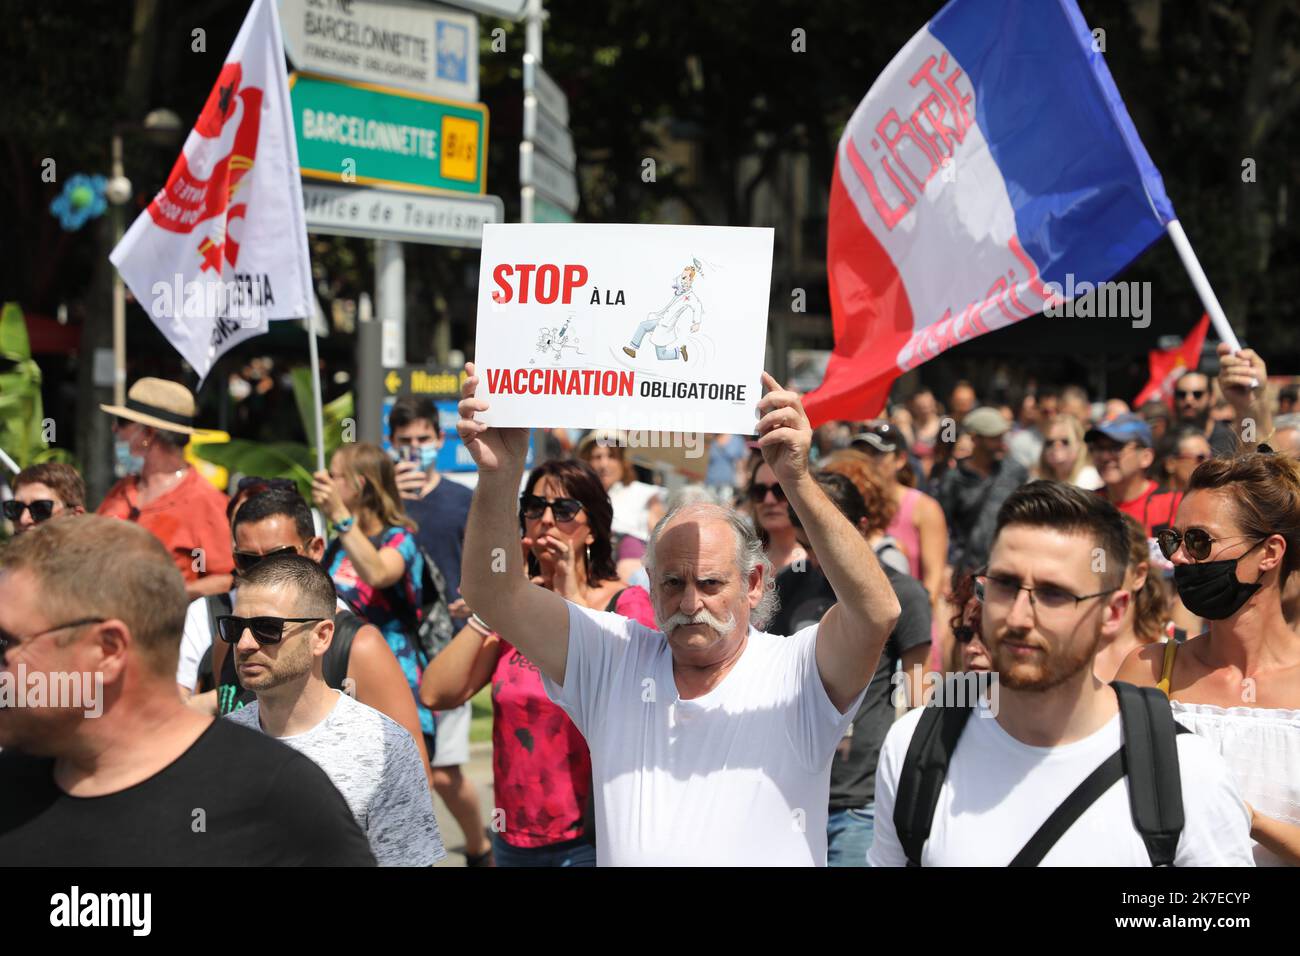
(234, 798)
(805, 596)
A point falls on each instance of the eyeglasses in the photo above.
(995, 589)
(266, 630)
(533, 507)
(41, 510)
(758, 492)
(1053, 442)
(1193, 393)
(11, 640)
(247, 560)
(1197, 457)
(1096, 448)
(1197, 541)
(963, 633)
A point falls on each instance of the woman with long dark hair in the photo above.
(541, 769)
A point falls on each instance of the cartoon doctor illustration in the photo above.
(664, 325)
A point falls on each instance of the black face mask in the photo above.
(1211, 589)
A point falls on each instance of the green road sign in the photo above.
(368, 134)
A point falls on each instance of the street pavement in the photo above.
(478, 770)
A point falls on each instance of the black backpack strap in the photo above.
(1151, 762)
(1109, 773)
(217, 605)
(335, 664)
(922, 776)
(1149, 758)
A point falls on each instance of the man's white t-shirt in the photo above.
(738, 777)
(999, 791)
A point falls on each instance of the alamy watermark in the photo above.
(961, 689)
(76, 690)
(1102, 300)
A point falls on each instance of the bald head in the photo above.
(711, 534)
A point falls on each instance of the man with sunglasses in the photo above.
(711, 741)
(281, 628)
(273, 523)
(1051, 593)
(1192, 400)
(147, 782)
(1121, 452)
(42, 492)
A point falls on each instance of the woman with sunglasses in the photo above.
(968, 651)
(772, 516)
(541, 769)
(1064, 456)
(42, 492)
(1234, 543)
(374, 559)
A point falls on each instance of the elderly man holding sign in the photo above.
(711, 741)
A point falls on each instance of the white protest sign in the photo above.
(639, 327)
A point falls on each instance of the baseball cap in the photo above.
(986, 422)
(1122, 429)
(879, 436)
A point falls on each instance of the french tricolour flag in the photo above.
(992, 157)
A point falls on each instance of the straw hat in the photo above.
(158, 403)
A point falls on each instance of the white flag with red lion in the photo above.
(222, 248)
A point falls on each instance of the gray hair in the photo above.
(750, 553)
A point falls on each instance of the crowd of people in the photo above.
(748, 671)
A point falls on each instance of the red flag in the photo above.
(1168, 365)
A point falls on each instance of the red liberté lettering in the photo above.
(544, 280)
(936, 138)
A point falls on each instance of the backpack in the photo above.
(430, 626)
(231, 694)
(1148, 756)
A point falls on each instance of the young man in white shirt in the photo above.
(711, 741)
(282, 626)
(1050, 595)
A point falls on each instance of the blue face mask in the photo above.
(126, 463)
(428, 456)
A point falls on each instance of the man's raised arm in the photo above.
(492, 577)
(853, 632)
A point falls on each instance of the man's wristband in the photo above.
(344, 526)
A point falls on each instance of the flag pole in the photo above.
(9, 462)
(1202, 285)
(316, 392)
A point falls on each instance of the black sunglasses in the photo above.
(758, 492)
(1195, 394)
(266, 630)
(1197, 541)
(533, 507)
(41, 510)
(246, 560)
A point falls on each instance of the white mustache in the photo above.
(699, 617)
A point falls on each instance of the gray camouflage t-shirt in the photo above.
(375, 764)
